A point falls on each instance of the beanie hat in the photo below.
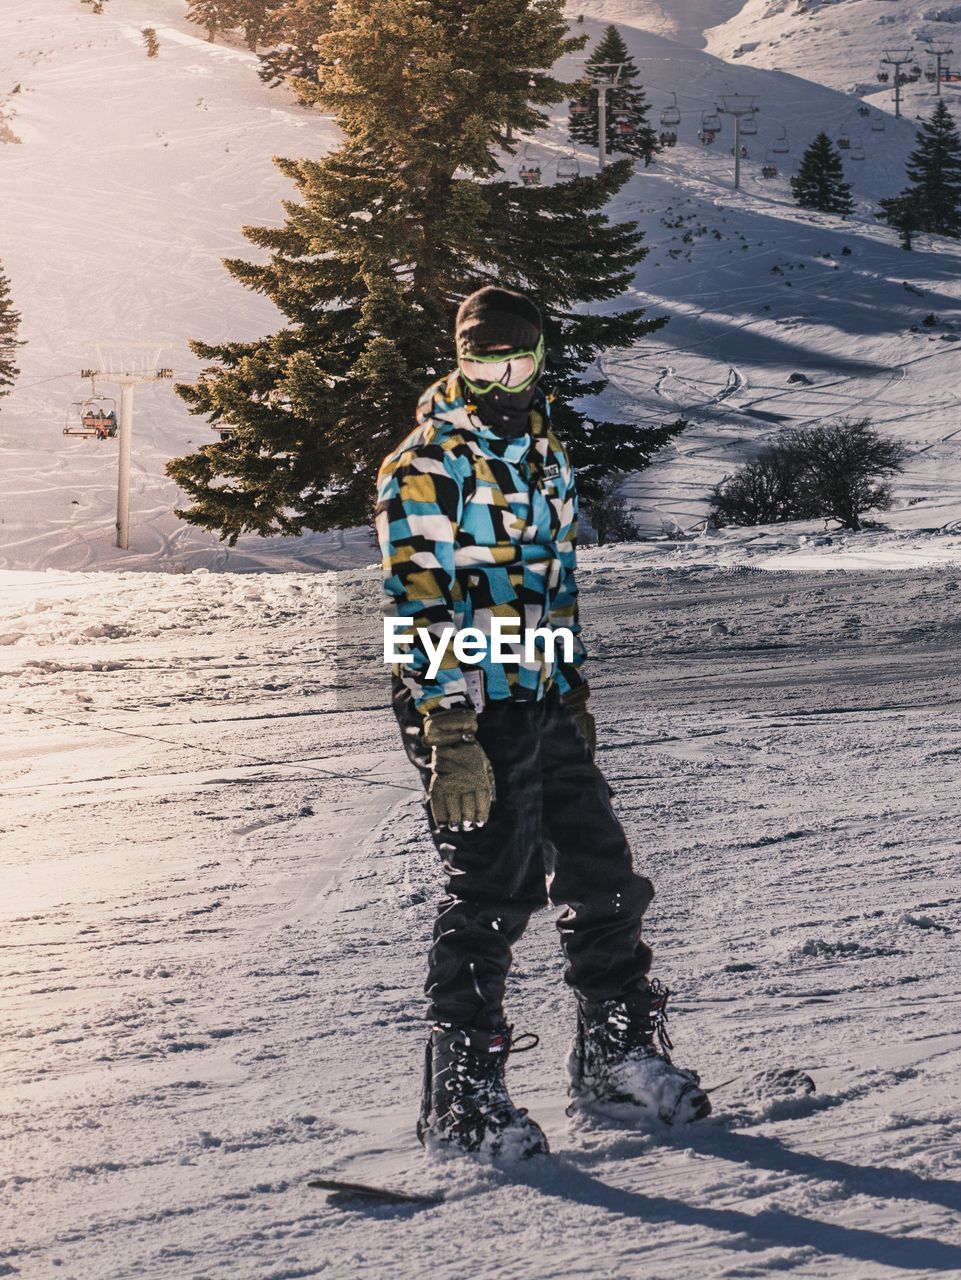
(494, 317)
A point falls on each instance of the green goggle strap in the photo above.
(500, 357)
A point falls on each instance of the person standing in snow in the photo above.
(477, 519)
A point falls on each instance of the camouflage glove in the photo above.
(575, 700)
(461, 790)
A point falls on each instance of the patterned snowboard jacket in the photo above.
(471, 526)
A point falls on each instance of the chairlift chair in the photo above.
(877, 123)
(748, 127)
(864, 111)
(580, 109)
(769, 168)
(844, 142)
(930, 75)
(857, 149)
(781, 146)
(671, 115)
(95, 418)
(711, 120)
(883, 77)
(706, 136)
(568, 167)
(529, 170)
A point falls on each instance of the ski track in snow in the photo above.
(218, 893)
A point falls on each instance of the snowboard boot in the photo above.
(465, 1104)
(619, 1065)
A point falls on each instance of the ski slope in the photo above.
(217, 894)
(133, 178)
(837, 42)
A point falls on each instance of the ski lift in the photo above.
(914, 75)
(864, 111)
(748, 127)
(529, 170)
(857, 149)
(623, 126)
(844, 142)
(883, 77)
(568, 167)
(743, 150)
(671, 115)
(223, 428)
(781, 146)
(580, 109)
(930, 75)
(769, 169)
(95, 417)
(667, 138)
(711, 120)
(877, 122)
(706, 136)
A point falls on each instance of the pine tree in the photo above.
(932, 202)
(298, 27)
(9, 327)
(626, 105)
(215, 15)
(259, 20)
(901, 212)
(389, 233)
(151, 42)
(819, 183)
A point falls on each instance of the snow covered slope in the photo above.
(131, 181)
(134, 177)
(217, 895)
(837, 42)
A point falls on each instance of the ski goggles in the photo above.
(503, 370)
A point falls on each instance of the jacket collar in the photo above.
(446, 401)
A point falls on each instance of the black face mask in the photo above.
(506, 412)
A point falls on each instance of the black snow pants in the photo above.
(552, 836)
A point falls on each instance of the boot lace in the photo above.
(483, 1094)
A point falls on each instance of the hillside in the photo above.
(122, 203)
(837, 42)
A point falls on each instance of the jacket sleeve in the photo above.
(564, 610)
(419, 507)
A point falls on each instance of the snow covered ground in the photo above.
(217, 895)
(836, 42)
(134, 177)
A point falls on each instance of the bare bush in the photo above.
(836, 471)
